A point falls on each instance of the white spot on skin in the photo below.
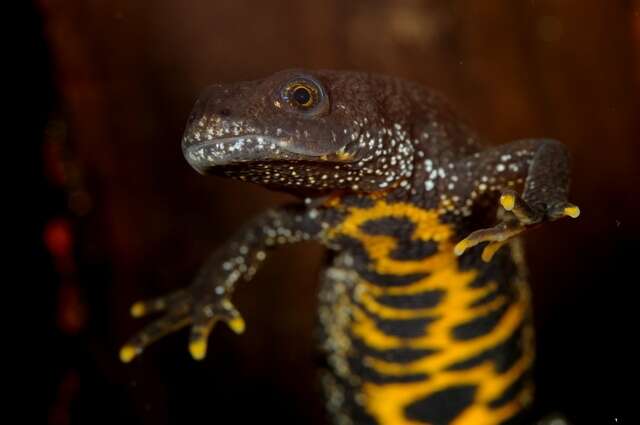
(428, 185)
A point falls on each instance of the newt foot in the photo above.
(180, 311)
(520, 217)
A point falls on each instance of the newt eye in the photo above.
(302, 96)
(305, 95)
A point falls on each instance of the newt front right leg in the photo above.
(542, 168)
(207, 300)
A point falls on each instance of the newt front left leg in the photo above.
(207, 300)
(540, 167)
(181, 309)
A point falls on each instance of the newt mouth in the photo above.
(208, 154)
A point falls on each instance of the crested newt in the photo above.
(423, 305)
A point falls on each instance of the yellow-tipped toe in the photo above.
(461, 247)
(572, 212)
(198, 349)
(508, 202)
(128, 353)
(490, 250)
(237, 325)
(137, 310)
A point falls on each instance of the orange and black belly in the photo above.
(416, 335)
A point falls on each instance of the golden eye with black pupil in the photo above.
(302, 96)
(305, 95)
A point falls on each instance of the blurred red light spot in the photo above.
(58, 237)
(71, 310)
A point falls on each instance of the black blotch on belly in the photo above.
(362, 264)
(402, 230)
(415, 249)
(389, 279)
(491, 296)
(426, 299)
(398, 227)
(508, 353)
(512, 391)
(480, 325)
(442, 407)
(501, 269)
(371, 375)
(393, 355)
(404, 328)
(504, 355)
(401, 328)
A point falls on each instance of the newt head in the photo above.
(300, 131)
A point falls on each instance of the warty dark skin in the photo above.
(423, 305)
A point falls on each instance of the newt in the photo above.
(424, 309)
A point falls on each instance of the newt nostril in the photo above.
(224, 112)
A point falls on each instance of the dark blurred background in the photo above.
(120, 215)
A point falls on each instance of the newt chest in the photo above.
(415, 334)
